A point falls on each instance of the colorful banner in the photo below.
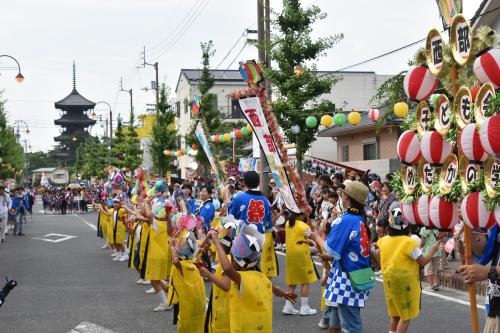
(247, 164)
(200, 135)
(449, 9)
(252, 110)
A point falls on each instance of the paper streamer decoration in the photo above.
(200, 135)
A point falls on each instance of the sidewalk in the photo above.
(448, 278)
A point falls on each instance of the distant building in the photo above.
(487, 14)
(56, 176)
(74, 122)
(353, 91)
(187, 88)
(366, 146)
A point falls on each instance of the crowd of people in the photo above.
(229, 237)
(15, 207)
(58, 200)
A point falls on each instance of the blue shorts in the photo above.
(344, 316)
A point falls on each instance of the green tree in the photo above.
(92, 157)
(40, 159)
(297, 93)
(11, 152)
(126, 151)
(163, 133)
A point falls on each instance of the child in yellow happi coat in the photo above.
(117, 229)
(400, 258)
(187, 286)
(250, 291)
(102, 223)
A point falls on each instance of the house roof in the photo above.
(44, 169)
(233, 75)
(364, 125)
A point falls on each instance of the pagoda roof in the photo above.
(65, 136)
(74, 99)
(74, 120)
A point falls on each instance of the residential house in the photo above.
(487, 14)
(187, 88)
(55, 175)
(366, 145)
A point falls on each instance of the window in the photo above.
(59, 176)
(236, 112)
(178, 109)
(370, 151)
(186, 104)
(345, 153)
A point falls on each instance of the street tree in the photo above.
(296, 83)
(92, 157)
(11, 152)
(126, 151)
(163, 133)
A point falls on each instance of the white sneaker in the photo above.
(151, 291)
(290, 310)
(105, 246)
(140, 281)
(162, 307)
(116, 258)
(123, 257)
(306, 311)
(145, 282)
(114, 253)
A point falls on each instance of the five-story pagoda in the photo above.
(74, 121)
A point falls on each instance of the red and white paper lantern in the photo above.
(419, 83)
(422, 211)
(408, 148)
(409, 214)
(374, 114)
(442, 213)
(489, 135)
(487, 67)
(470, 144)
(474, 212)
(434, 148)
(496, 213)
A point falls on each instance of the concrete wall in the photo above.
(386, 141)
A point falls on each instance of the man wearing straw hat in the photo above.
(349, 244)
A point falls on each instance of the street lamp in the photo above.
(17, 124)
(74, 139)
(94, 117)
(19, 76)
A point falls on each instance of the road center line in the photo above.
(430, 293)
(86, 222)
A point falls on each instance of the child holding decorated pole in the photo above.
(401, 258)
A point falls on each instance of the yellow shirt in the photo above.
(268, 262)
(116, 226)
(299, 264)
(219, 315)
(401, 276)
(251, 306)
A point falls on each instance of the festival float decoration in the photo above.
(408, 148)
(374, 114)
(354, 118)
(459, 133)
(326, 120)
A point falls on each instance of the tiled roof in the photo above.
(74, 99)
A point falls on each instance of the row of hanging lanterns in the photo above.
(236, 134)
(191, 151)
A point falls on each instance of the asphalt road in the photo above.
(62, 284)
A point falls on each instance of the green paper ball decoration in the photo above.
(339, 119)
(311, 121)
(434, 98)
(245, 131)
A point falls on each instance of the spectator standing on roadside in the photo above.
(5, 205)
(18, 209)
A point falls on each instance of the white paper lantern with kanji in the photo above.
(474, 211)
(408, 148)
(487, 67)
(442, 213)
(489, 134)
(470, 144)
(409, 214)
(374, 114)
(419, 83)
(422, 211)
(434, 148)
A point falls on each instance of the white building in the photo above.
(187, 88)
(354, 90)
(486, 15)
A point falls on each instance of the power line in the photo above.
(232, 48)
(181, 33)
(181, 23)
(232, 62)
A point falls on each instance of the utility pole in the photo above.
(156, 86)
(262, 23)
(131, 100)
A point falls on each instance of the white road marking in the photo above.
(93, 226)
(430, 293)
(61, 238)
(88, 327)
